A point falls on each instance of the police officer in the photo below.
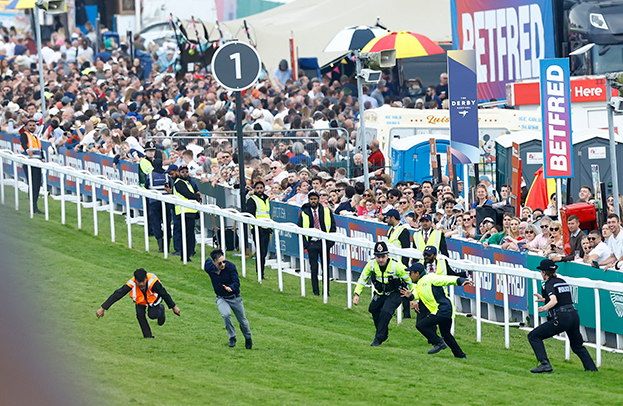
(429, 236)
(315, 215)
(148, 293)
(32, 147)
(156, 181)
(186, 190)
(399, 236)
(388, 276)
(429, 289)
(258, 204)
(561, 316)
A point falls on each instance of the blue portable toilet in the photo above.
(411, 156)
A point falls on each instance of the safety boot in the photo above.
(544, 367)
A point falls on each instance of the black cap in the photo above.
(150, 146)
(416, 267)
(380, 249)
(547, 265)
(313, 193)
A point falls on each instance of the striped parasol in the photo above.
(21, 4)
(352, 38)
(406, 44)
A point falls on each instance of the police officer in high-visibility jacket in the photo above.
(315, 215)
(399, 236)
(148, 293)
(185, 190)
(258, 204)
(388, 276)
(429, 236)
(561, 316)
(429, 289)
(146, 163)
(156, 181)
(32, 147)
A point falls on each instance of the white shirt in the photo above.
(196, 149)
(602, 251)
(616, 245)
(280, 177)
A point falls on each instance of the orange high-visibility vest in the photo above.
(152, 299)
(33, 142)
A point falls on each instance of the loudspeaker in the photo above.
(381, 60)
(54, 6)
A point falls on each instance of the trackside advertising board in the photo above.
(509, 38)
(556, 111)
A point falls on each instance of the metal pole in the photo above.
(78, 206)
(128, 219)
(241, 177)
(477, 280)
(302, 260)
(278, 252)
(45, 193)
(30, 197)
(165, 231)
(362, 125)
(349, 278)
(95, 222)
(184, 241)
(35, 11)
(613, 153)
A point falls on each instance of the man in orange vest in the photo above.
(148, 293)
(32, 147)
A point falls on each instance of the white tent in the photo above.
(314, 22)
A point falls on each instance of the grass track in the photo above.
(304, 352)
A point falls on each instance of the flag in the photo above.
(540, 191)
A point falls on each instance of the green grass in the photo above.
(304, 352)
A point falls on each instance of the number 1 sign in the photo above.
(236, 65)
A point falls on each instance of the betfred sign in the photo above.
(556, 110)
(509, 41)
(583, 90)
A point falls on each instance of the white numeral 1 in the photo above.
(236, 58)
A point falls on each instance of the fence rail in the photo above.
(246, 219)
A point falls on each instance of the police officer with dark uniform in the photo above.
(388, 276)
(148, 293)
(561, 316)
(258, 204)
(399, 236)
(156, 181)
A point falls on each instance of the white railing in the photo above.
(246, 218)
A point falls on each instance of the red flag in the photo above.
(540, 191)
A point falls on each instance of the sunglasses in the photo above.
(529, 232)
(544, 226)
(419, 205)
(592, 238)
(382, 201)
(274, 167)
(473, 217)
(554, 229)
(323, 194)
(379, 193)
(367, 195)
(404, 202)
(408, 192)
(467, 218)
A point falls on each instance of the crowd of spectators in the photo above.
(106, 102)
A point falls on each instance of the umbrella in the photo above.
(406, 44)
(21, 4)
(351, 38)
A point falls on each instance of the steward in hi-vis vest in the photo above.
(32, 147)
(147, 293)
(258, 204)
(428, 236)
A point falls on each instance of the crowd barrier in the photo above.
(481, 271)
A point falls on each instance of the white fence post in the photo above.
(2, 181)
(16, 179)
(451, 292)
(30, 196)
(95, 222)
(46, 206)
(112, 217)
(597, 327)
(278, 253)
(184, 241)
(302, 257)
(203, 240)
(507, 338)
(349, 278)
(63, 198)
(166, 229)
(535, 305)
(477, 278)
(78, 205)
(258, 262)
(243, 249)
(128, 218)
(223, 243)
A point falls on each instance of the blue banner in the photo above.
(463, 94)
(556, 113)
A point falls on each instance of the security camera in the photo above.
(371, 76)
(616, 103)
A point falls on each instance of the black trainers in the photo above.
(177, 253)
(544, 367)
(248, 343)
(438, 347)
(375, 343)
(232, 342)
(162, 318)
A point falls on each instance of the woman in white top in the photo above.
(300, 198)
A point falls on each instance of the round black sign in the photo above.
(236, 65)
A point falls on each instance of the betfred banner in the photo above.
(463, 107)
(508, 40)
(556, 113)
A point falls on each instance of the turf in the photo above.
(304, 352)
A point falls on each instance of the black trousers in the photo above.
(156, 312)
(155, 220)
(314, 251)
(382, 308)
(177, 231)
(569, 322)
(189, 218)
(36, 184)
(428, 327)
(263, 249)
